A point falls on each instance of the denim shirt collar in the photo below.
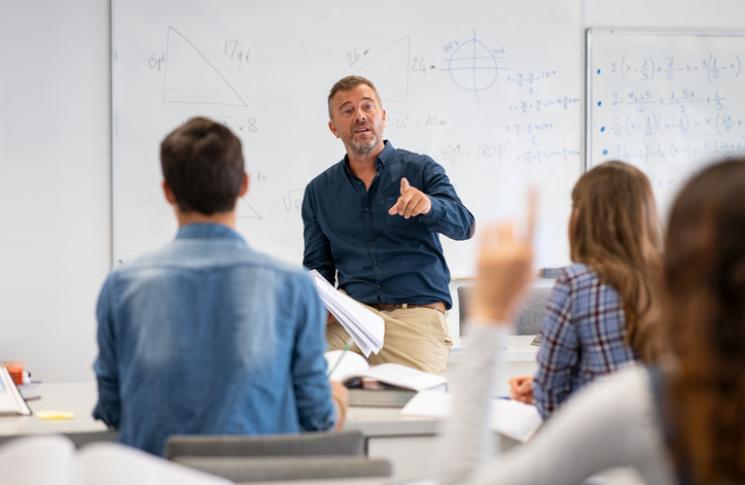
(383, 158)
(203, 230)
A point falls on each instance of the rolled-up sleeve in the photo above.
(448, 215)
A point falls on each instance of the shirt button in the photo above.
(365, 209)
(377, 286)
(369, 238)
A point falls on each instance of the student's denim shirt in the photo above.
(207, 336)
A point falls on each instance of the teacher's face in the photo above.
(358, 119)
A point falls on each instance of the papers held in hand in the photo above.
(365, 327)
(11, 401)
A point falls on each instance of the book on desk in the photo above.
(384, 385)
(53, 460)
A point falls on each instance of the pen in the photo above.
(344, 351)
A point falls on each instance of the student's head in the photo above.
(614, 229)
(356, 115)
(202, 163)
(704, 321)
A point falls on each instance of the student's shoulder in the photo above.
(143, 262)
(287, 271)
(577, 274)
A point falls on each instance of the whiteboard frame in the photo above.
(630, 31)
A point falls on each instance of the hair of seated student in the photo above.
(202, 163)
(703, 307)
(616, 231)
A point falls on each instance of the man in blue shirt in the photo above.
(207, 336)
(372, 221)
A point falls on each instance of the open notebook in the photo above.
(53, 460)
(391, 385)
(508, 417)
(349, 366)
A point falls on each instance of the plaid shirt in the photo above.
(583, 337)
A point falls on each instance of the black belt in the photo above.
(387, 307)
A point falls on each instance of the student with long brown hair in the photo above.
(681, 422)
(601, 305)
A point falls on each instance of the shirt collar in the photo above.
(202, 230)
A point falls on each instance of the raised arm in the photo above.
(504, 271)
(590, 434)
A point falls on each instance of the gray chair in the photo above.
(530, 314)
(245, 459)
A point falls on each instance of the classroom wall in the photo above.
(55, 165)
(54, 182)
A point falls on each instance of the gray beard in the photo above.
(362, 149)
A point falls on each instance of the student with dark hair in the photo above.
(206, 335)
(601, 307)
(681, 422)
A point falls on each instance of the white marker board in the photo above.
(477, 85)
(667, 101)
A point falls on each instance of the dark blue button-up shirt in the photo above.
(207, 336)
(382, 258)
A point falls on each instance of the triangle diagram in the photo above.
(191, 78)
(389, 70)
(247, 211)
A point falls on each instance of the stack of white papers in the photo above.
(508, 417)
(365, 327)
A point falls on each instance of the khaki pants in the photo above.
(414, 337)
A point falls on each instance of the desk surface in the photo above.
(76, 397)
(80, 397)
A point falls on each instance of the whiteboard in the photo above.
(669, 102)
(474, 84)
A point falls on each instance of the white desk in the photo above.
(408, 442)
(77, 397)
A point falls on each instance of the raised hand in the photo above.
(505, 264)
(412, 202)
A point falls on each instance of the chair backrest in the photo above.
(265, 469)
(305, 444)
(279, 457)
(530, 314)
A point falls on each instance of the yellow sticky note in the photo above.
(55, 415)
